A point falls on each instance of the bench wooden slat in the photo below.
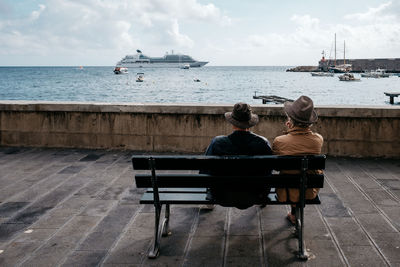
(176, 198)
(205, 180)
(178, 190)
(254, 163)
(200, 198)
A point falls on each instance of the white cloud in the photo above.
(378, 13)
(180, 39)
(377, 36)
(35, 14)
(117, 27)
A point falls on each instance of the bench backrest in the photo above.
(240, 170)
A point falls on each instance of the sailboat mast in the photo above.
(344, 52)
(335, 49)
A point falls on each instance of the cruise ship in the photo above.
(168, 61)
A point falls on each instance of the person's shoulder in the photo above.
(318, 136)
(260, 137)
(281, 138)
(220, 138)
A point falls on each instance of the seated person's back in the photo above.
(240, 142)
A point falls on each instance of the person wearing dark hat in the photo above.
(240, 142)
(299, 140)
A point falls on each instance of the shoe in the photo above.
(291, 218)
(207, 207)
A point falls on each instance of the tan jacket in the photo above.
(297, 142)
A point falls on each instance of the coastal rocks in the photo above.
(303, 69)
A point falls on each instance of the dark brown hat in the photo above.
(242, 116)
(301, 110)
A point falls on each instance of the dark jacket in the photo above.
(239, 143)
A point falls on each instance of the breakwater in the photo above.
(348, 131)
(360, 65)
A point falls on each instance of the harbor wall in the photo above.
(361, 65)
(348, 131)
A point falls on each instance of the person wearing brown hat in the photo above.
(298, 140)
(240, 142)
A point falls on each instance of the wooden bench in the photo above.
(176, 187)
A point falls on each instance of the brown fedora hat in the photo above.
(242, 116)
(301, 110)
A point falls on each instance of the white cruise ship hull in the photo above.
(196, 64)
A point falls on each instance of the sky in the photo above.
(224, 32)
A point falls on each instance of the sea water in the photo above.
(217, 85)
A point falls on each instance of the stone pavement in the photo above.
(63, 207)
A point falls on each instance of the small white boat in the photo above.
(322, 74)
(120, 70)
(348, 77)
(378, 73)
(140, 77)
(185, 67)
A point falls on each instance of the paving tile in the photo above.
(16, 252)
(10, 208)
(98, 207)
(133, 248)
(392, 184)
(244, 246)
(382, 198)
(393, 213)
(332, 206)
(172, 252)
(362, 256)
(323, 253)
(9, 230)
(182, 219)
(205, 251)
(280, 248)
(389, 245)
(376, 223)
(91, 157)
(55, 219)
(109, 229)
(244, 222)
(84, 258)
(212, 222)
(62, 243)
(243, 261)
(348, 232)
(38, 236)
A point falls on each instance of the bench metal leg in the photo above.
(159, 229)
(165, 225)
(302, 254)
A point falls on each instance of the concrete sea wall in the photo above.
(348, 131)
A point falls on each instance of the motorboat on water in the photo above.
(167, 61)
(378, 73)
(120, 70)
(348, 77)
(322, 74)
(140, 77)
(185, 67)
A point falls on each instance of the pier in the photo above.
(392, 95)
